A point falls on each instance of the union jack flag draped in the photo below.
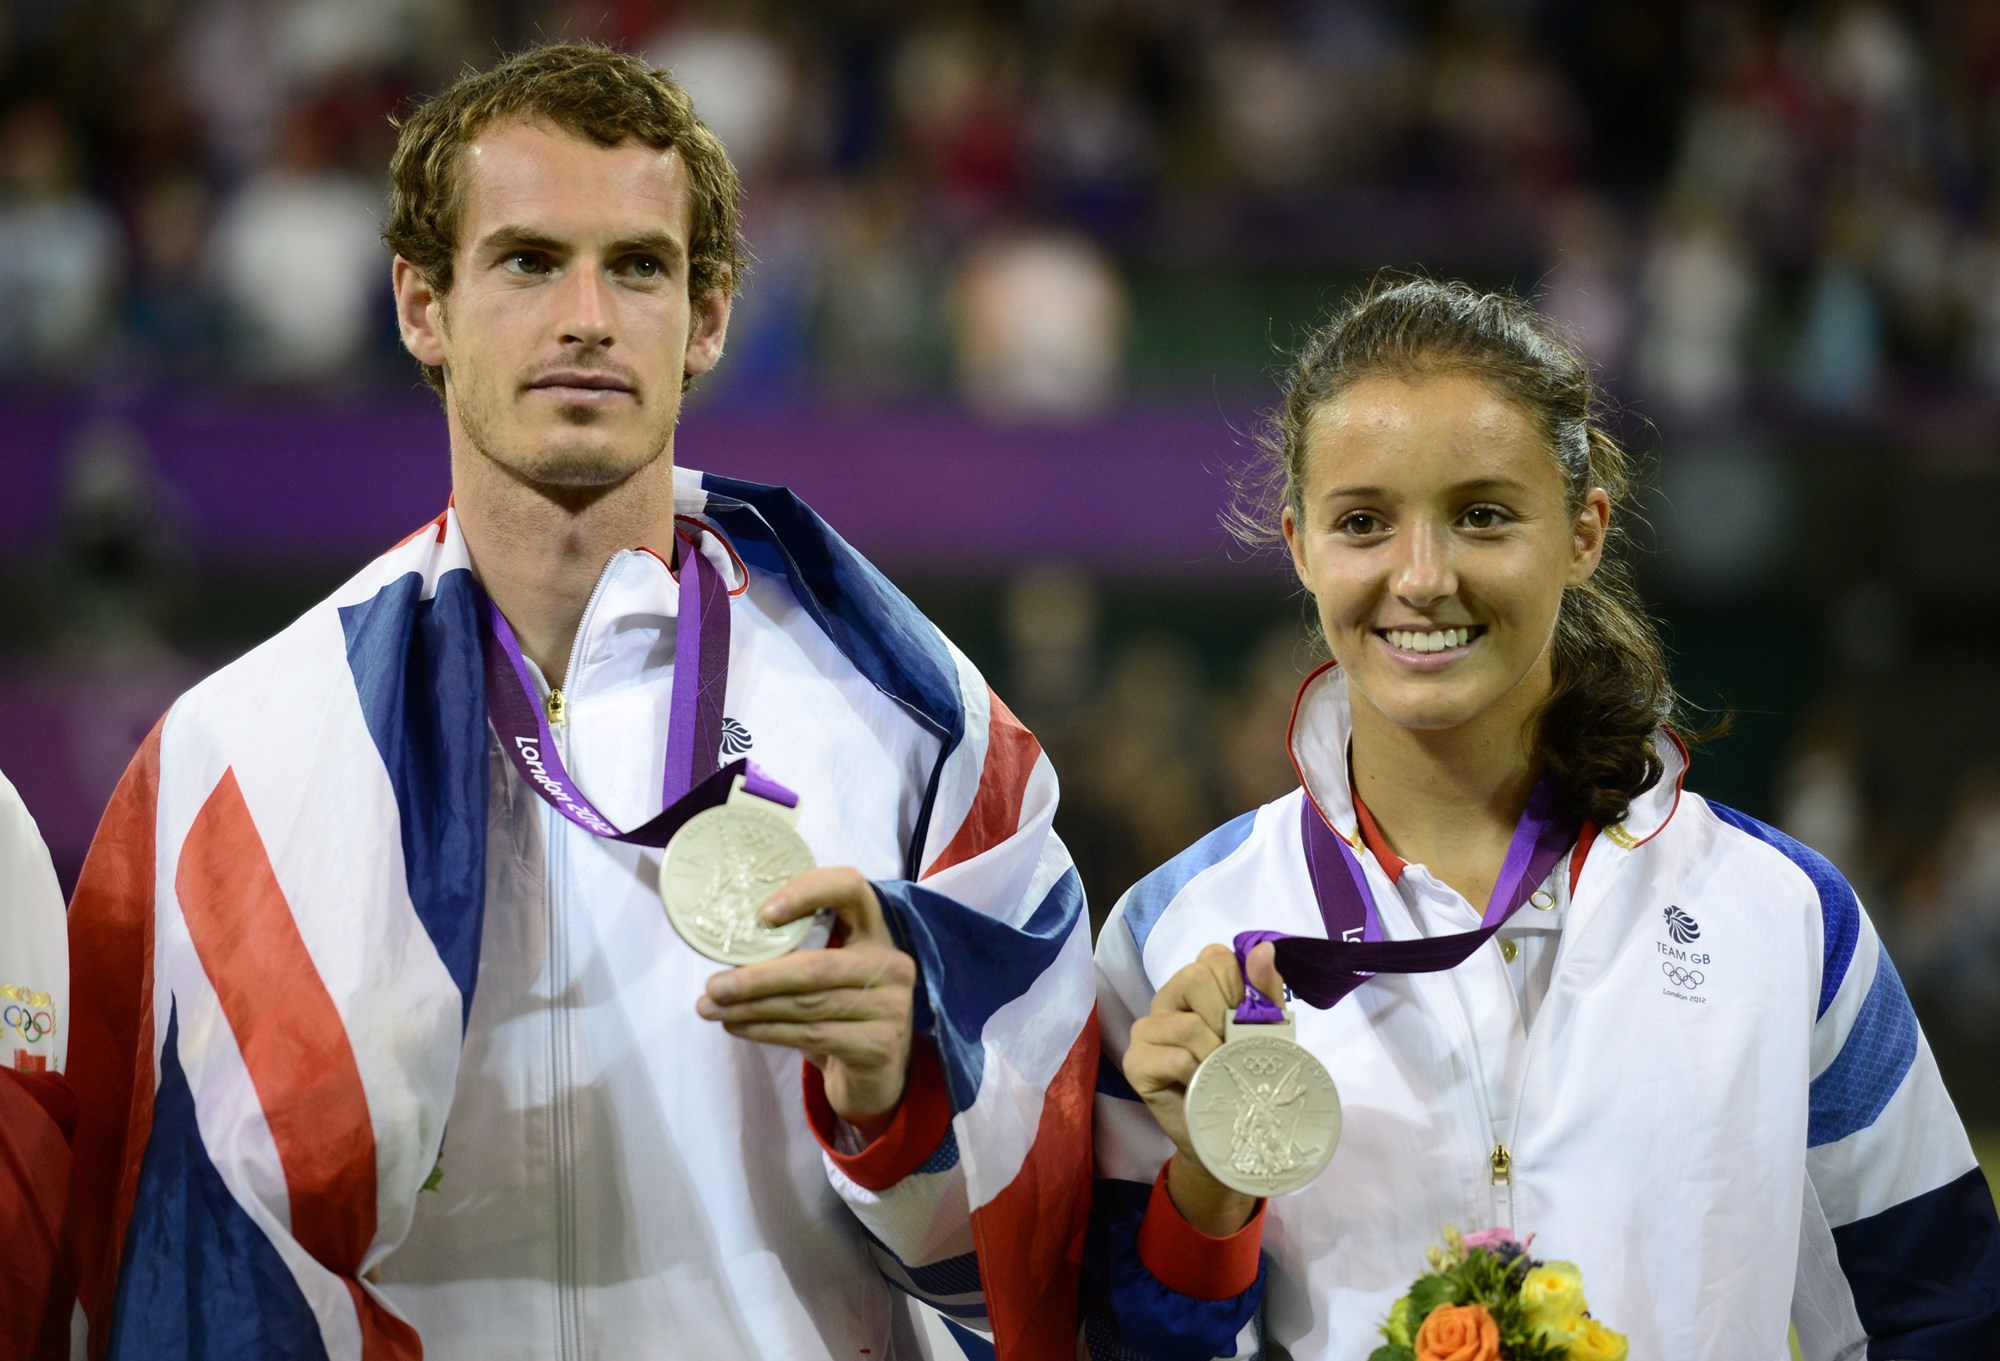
(276, 935)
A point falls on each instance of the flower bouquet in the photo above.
(1485, 1299)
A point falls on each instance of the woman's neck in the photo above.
(1448, 800)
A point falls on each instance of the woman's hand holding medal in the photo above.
(848, 1010)
(1188, 1022)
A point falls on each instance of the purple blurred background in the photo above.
(1024, 272)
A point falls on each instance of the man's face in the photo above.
(568, 326)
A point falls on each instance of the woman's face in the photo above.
(1436, 543)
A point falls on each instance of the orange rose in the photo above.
(1458, 1332)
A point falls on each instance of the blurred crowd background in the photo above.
(1774, 226)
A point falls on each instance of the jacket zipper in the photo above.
(1498, 1161)
(569, 1305)
(1501, 1164)
(562, 1124)
(1502, 1160)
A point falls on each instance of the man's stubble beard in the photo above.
(556, 465)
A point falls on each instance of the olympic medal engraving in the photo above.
(1262, 1112)
(720, 867)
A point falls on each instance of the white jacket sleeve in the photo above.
(1899, 1246)
(34, 946)
(1129, 1311)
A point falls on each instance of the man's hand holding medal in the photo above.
(848, 1010)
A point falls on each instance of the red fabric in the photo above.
(1371, 837)
(1038, 1217)
(995, 815)
(434, 528)
(111, 1031)
(384, 1337)
(294, 1045)
(1584, 837)
(37, 1117)
(914, 1133)
(290, 1034)
(1184, 1259)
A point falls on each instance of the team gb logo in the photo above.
(1681, 926)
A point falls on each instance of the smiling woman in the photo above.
(1490, 736)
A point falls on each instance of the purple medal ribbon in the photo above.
(693, 780)
(1321, 972)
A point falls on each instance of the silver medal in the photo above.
(1262, 1112)
(721, 866)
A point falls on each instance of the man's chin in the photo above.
(580, 465)
(581, 471)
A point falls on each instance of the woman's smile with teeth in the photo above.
(1433, 640)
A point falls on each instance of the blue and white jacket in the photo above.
(1723, 1109)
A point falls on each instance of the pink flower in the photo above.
(1490, 1239)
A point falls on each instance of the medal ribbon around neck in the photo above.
(693, 780)
(1321, 972)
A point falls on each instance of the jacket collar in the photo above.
(1323, 723)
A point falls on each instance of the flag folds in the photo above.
(276, 936)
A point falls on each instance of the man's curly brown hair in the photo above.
(595, 91)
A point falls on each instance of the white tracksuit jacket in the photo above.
(34, 953)
(620, 1177)
(1726, 1116)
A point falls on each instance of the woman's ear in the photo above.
(1593, 523)
(1295, 544)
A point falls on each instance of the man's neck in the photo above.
(1448, 800)
(539, 551)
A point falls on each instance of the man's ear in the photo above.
(708, 324)
(419, 313)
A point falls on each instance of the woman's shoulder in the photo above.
(1759, 866)
(1209, 874)
(1755, 843)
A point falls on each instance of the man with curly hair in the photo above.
(392, 1050)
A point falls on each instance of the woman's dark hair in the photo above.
(1611, 690)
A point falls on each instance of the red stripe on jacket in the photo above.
(995, 815)
(111, 1031)
(1039, 1217)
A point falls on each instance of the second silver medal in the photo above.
(1262, 1112)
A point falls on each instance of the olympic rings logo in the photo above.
(1682, 978)
(31, 1025)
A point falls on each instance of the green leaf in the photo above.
(1392, 1352)
(1427, 1294)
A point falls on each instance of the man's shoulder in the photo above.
(364, 624)
(874, 624)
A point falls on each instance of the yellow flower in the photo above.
(1552, 1301)
(1397, 1329)
(1597, 1343)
